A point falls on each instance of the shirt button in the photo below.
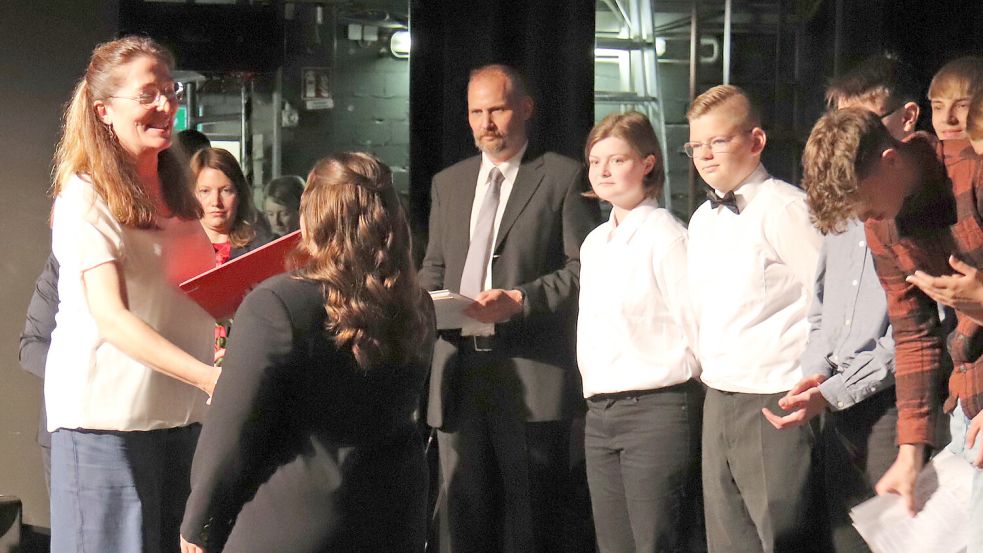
(862, 243)
(839, 404)
(835, 358)
(854, 283)
(847, 322)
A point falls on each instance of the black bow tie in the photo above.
(729, 201)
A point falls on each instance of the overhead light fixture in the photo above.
(660, 46)
(399, 44)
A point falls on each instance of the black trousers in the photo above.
(858, 448)
(505, 480)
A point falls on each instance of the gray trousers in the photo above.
(643, 469)
(759, 483)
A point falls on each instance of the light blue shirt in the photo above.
(850, 337)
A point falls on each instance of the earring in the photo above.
(112, 133)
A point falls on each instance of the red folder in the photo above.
(220, 290)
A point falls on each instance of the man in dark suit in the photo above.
(506, 228)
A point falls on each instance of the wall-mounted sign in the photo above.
(315, 88)
(181, 119)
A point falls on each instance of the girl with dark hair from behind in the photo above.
(333, 356)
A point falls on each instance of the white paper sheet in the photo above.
(941, 525)
(450, 307)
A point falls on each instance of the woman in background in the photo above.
(635, 337)
(231, 222)
(128, 370)
(311, 443)
(228, 216)
(282, 204)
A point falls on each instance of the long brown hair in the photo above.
(242, 229)
(89, 147)
(359, 242)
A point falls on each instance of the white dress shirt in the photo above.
(91, 383)
(509, 169)
(751, 280)
(636, 328)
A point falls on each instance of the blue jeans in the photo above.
(120, 491)
(959, 425)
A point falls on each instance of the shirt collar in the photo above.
(509, 167)
(748, 189)
(623, 231)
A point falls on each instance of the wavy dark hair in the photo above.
(359, 243)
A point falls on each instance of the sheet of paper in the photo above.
(941, 526)
(450, 307)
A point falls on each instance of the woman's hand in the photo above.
(188, 547)
(211, 379)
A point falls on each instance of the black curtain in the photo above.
(550, 41)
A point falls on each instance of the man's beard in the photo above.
(495, 145)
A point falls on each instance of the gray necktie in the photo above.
(473, 276)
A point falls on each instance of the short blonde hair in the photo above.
(974, 121)
(635, 129)
(842, 148)
(721, 95)
(961, 75)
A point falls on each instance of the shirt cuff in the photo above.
(836, 394)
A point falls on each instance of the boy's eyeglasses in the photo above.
(717, 144)
(152, 98)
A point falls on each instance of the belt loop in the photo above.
(477, 340)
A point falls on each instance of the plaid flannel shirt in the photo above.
(939, 219)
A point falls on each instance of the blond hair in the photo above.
(89, 147)
(359, 241)
(842, 148)
(635, 129)
(974, 120)
(726, 94)
(960, 76)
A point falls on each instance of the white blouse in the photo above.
(751, 279)
(636, 329)
(89, 383)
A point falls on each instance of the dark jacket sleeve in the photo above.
(40, 323)
(240, 435)
(431, 273)
(557, 292)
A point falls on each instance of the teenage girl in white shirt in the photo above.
(635, 341)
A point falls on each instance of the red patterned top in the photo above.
(941, 218)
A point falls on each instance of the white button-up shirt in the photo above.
(751, 280)
(636, 328)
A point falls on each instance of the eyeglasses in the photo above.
(717, 145)
(152, 98)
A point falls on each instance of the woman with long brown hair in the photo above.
(128, 372)
(231, 222)
(310, 444)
